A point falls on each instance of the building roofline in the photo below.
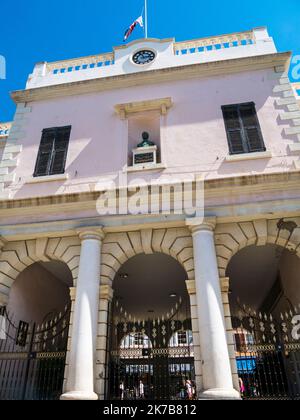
(184, 72)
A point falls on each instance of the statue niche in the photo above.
(145, 154)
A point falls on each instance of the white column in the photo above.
(102, 347)
(217, 377)
(80, 381)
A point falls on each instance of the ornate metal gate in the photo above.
(32, 358)
(150, 359)
(268, 354)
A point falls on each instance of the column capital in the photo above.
(91, 233)
(225, 282)
(106, 292)
(2, 243)
(191, 287)
(200, 224)
(72, 291)
(3, 299)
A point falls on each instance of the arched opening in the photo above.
(33, 351)
(150, 314)
(265, 306)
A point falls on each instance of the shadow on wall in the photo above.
(40, 290)
(97, 148)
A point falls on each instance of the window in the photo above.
(139, 339)
(243, 129)
(53, 151)
(182, 337)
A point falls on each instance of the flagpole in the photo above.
(146, 19)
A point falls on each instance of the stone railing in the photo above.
(78, 64)
(4, 129)
(222, 42)
(214, 43)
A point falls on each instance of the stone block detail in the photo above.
(232, 237)
(290, 111)
(12, 149)
(17, 256)
(119, 247)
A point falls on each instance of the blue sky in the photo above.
(34, 30)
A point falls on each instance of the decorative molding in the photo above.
(72, 291)
(201, 224)
(230, 238)
(148, 167)
(106, 292)
(3, 299)
(50, 178)
(224, 284)
(17, 256)
(90, 233)
(191, 287)
(249, 156)
(154, 76)
(160, 105)
(117, 248)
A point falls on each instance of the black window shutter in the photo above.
(243, 129)
(233, 129)
(251, 128)
(53, 151)
(60, 151)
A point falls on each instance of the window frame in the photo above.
(50, 163)
(244, 137)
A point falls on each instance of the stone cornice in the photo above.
(153, 77)
(275, 185)
(160, 105)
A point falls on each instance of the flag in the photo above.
(131, 28)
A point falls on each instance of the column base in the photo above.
(79, 396)
(220, 394)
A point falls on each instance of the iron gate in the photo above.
(150, 359)
(268, 354)
(32, 358)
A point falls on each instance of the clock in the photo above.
(143, 57)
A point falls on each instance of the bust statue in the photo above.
(146, 142)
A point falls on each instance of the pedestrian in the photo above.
(189, 389)
(242, 387)
(141, 390)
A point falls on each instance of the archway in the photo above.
(151, 305)
(37, 315)
(265, 305)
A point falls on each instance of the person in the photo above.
(242, 387)
(189, 389)
(141, 390)
(122, 390)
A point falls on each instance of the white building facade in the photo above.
(150, 224)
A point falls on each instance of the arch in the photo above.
(17, 256)
(120, 247)
(233, 237)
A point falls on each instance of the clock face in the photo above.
(143, 57)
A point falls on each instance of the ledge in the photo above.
(248, 156)
(144, 168)
(185, 72)
(50, 178)
(294, 148)
(160, 105)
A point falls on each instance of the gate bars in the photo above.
(32, 358)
